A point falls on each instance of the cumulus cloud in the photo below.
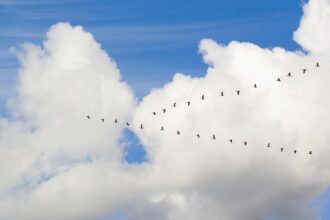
(56, 164)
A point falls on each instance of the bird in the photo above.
(178, 132)
(102, 119)
(174, 104)
(282, 149)
(164, 110)
(317, 65)
(88, 117)
(237, 92)
(278, 80)
(116, 120)
(141, 126)
(255, 85)
(162, 128)
(127, 123)
(231, 140)
(188, 103)
(198, 135)
(245, 143)
(203, 97)
(295, 151)
(222, 93)
(304, 70)
(213, 137)
(268, 145)
(289, 74)
(310, 152)
(154, 113)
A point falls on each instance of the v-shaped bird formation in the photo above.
(212, 137)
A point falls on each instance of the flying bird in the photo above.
(245, 143)
(116, 120)
(174, 104)
(222, 93)
(213, 137)
(310, 152)
(278, 80)
(162, 128)
(268, 145)
(141, 126)
(304, 70)
(289, 74)
(231, 140)
(88, 117)
(164, 110)
(282, 149)
(317, 65)
(178, 132)
(127, 123)
(154, 113)
(203, 97)
(295, 151)
(198, 135)
(188, 103)
(255, 85)
(237, 92)
(102, 119)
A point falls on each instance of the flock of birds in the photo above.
(245, 143)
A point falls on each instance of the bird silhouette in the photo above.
(289, 74)
(231, 140)
(237, 92)
(282, 149)
(222, 93)
(88, 117)
(116, 120)
(198, 135)
(203, 97)
(162, 128)
(174, 104)
(154, 113)
(304, 70)
(245, 143)
(268, 145)
(141, 126)
(164, 110)
(178, 132)
(188, 103)
(255, 85)
(310, 152)
(127, 123)
(278, 80)
(295, 151)
(317, 65)
(102, 119)
(213, 137)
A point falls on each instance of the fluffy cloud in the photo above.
(56, 164)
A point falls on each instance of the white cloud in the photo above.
(70, 167)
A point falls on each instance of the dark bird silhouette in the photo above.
(178, 132)
(203, 97)
(154, 113)
(116, 120)
(231, 140)
(222, 93)
(237, 92)
(188, 103)
(174, 104)
(310, 152)
(278, 80)
(245, 143)
(295, 151)
(88, 117)
(213, 137)
(304, 70)
(268, 145)
(289, 74)
(102, 119)
(164, 110)
(317, 65)
(141, 126)
(127, 123)
(162, 128)
(255, 85)
(198, 135)
(282, 149)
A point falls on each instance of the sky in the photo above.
(143, 54)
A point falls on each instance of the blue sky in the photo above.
(150, 40)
